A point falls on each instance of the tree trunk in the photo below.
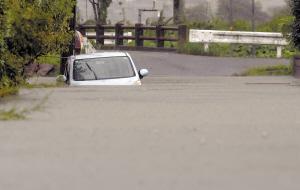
(178, 11)
(100, 10)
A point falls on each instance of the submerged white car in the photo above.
(106, 68)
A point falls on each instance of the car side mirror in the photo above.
(61, 78)
(143, 73)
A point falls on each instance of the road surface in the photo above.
(172, 133)
(172, 64)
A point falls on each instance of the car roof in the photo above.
(100, 54)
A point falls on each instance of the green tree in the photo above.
(100, 10)
(178, 11)
(281, 20)
(2, 31)
(39, 27)
(29, 29)
(281, 23)
(2, 25)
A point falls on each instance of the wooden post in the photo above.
(139, 32)
(182, 35)
(119, 33)
(160, 33)
(99, 35)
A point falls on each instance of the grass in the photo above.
(11, 114)
(149, 43)
(49, 59)
(40, 105)
(198, 49)
(235, 50)
(8, 91)
(42, 85)
(277, 70)
(14, 114)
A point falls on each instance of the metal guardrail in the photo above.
(238, 37)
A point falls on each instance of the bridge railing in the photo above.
(236, 37)
(161, 35)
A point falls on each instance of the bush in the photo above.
(280, 23)
(7, 91)
(8, 71)
(198, 49)
(236, 50)
(39, 28)
(224, 50)
(277, 70)
(36, 28)
(192, 49)
(217, 24)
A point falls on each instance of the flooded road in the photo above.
(171, 133)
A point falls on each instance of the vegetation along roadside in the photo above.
(276, 70)
(30, 31)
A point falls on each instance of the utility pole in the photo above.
(86, 8)
(206, 10)
(253, 26)
(231, 14)
(123, 13)
(253, 16)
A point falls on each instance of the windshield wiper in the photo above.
(90, 68)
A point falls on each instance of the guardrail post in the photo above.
(160, 33)
(206, 47)
(182, 35)
(279, 51)
(99, 34)
(119, 33)
(139, 32)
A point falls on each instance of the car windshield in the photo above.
(102, 68)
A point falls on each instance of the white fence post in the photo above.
(206, 47)
(279, 51)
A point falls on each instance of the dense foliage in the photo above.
(30, 29)
(39, 27)
(2, 29)
(8, 73)
(296, 25)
